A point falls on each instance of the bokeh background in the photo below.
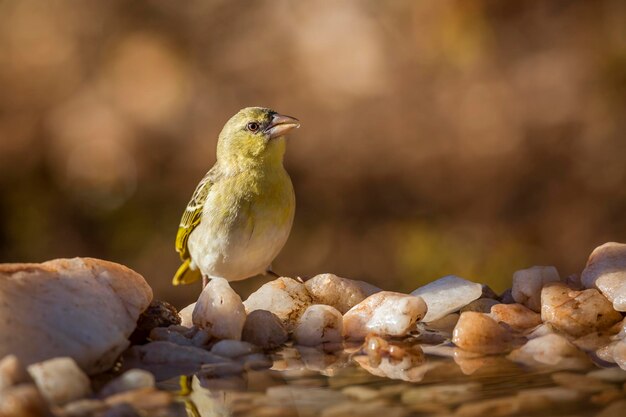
(438, 137)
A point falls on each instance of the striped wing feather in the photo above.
(193, 214)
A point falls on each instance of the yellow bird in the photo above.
(241, 212)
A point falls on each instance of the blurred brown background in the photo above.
(438, 137)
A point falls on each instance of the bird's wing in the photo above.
(193, 213)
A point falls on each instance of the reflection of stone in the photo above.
(82, 308)
(552, 350)
(60, 380)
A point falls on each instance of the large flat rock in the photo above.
(82, 308)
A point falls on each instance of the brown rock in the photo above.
(477, 332)
(576, 312)
(515, 315)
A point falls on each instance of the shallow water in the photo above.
(310, 382)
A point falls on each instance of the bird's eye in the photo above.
(253, 126)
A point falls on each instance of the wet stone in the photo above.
(527, 285)
(516, 316)
(553, 350)
(285, 297)
(361, 393)
(477, 332)
(442, 393)
(84, 408)
(385, 313)
(581, 383)
(264, 329)
(12, 372)
(186, 315)
(576, 312)
(158, 314)
(60, 380)
(219, 311)
(447, 295)
(482, 305)
(340, 293)
(23, 401)
(606, 271)
(319, 324)
(233, 348)
(168, 335)
(128, 381)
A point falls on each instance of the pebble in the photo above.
(121, 410)
(264, 329)
(496, 407)
(186, 315)
(168, 335)
(170, 353)
(319, 324)
(385, 313)
(12, 372)
(606, 271)
(615, 409)
(408, 369)
(551, 349)
(144, 399)
(216, 370)
(619, 354)
(516, 316)
(447, 295)
(370, 409)
(233, 348)
(83, 308)
(477, 332)
(158, 314)
(482, 305)
(23, 400)
(576, 312)
(256, 361)
(361, 393)
(128, 381)
(580, 383)
(84, 408)
(527, 285)
(340, 293)
(60, 380)
(608, 374)
(219, 310)
(442, 393)
(445, 324)
(285, 297)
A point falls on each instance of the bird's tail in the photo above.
(185, 274)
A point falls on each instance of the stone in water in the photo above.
(447, 295)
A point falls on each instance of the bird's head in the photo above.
(254, 134)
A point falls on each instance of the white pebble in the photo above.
(606, 271)
(285, 297)
(186, 315)
(60, 380)
(550, 349)
(385, 313)
(219, 311)
(341, 293)
(319, 324)
(447, 295)
(527, 285)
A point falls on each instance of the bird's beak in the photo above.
(280, 125)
